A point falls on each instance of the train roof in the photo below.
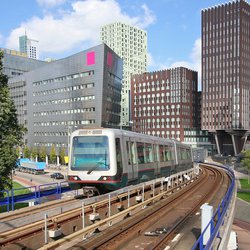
(127, 133)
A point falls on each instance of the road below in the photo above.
(27, 179)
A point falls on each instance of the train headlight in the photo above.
(105, 178)
(73, 178)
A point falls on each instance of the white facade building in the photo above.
(28, 46)
(130, 43)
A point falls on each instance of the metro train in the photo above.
(109, 159)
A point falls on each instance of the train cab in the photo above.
(95, 160)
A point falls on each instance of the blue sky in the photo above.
(64, 27)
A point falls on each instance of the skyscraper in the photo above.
(226, 74)
(130, 43)
(28, 46)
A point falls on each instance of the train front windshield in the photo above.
(90, 153)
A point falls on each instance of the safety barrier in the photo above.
(8, 199)
(218, 218)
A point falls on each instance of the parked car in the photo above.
(57, 176)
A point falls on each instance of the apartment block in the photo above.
(164, 103)
(130, 43)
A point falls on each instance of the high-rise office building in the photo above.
(164, 102)
(130, 43)
(28, 46)
(226, 74)
(15, 64)
(80, 91)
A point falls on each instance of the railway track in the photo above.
(159, 198)
(68, 221)
(156, 226)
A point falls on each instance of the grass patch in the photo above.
(17, 206)
(244, 184)
(244, 196)
(20, 190)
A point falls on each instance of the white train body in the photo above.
(109, 159)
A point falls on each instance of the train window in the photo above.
(165, 153)
(128, 152)
(133, 152)
(118, 155)
(148, 153)
(161, 153)
(140, 152)
(183, 152)
(179, 153)
(156, 153)
(168, 153)
(90, 153)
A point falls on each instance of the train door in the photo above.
(132, 159)
(156, 159)
(118, 157)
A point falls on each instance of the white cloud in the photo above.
(193, 64)
(50, 3)
(77, 28)
(149, 17)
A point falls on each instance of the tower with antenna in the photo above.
(28, 46)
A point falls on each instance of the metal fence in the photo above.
(34, 194)
(218, 217)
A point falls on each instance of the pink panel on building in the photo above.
(110, 59)
(91, 58)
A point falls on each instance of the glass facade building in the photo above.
(80, 91)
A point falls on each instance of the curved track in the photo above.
(147, 225)
(156, 227)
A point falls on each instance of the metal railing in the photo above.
(218, 218)
(34, 193)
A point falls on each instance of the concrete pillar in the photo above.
(239, 139)
(217, 143)
(234, 144)
(206, 216)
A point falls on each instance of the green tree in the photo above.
(246, 163)
(26, 152)
(62, 155)
(11, 132)
(34, 153)
(53, 154)
(42, 153)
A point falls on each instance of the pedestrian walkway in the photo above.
(241, 223)
(24, 182)
(242, 230)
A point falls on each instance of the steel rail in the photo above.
(86, 232)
